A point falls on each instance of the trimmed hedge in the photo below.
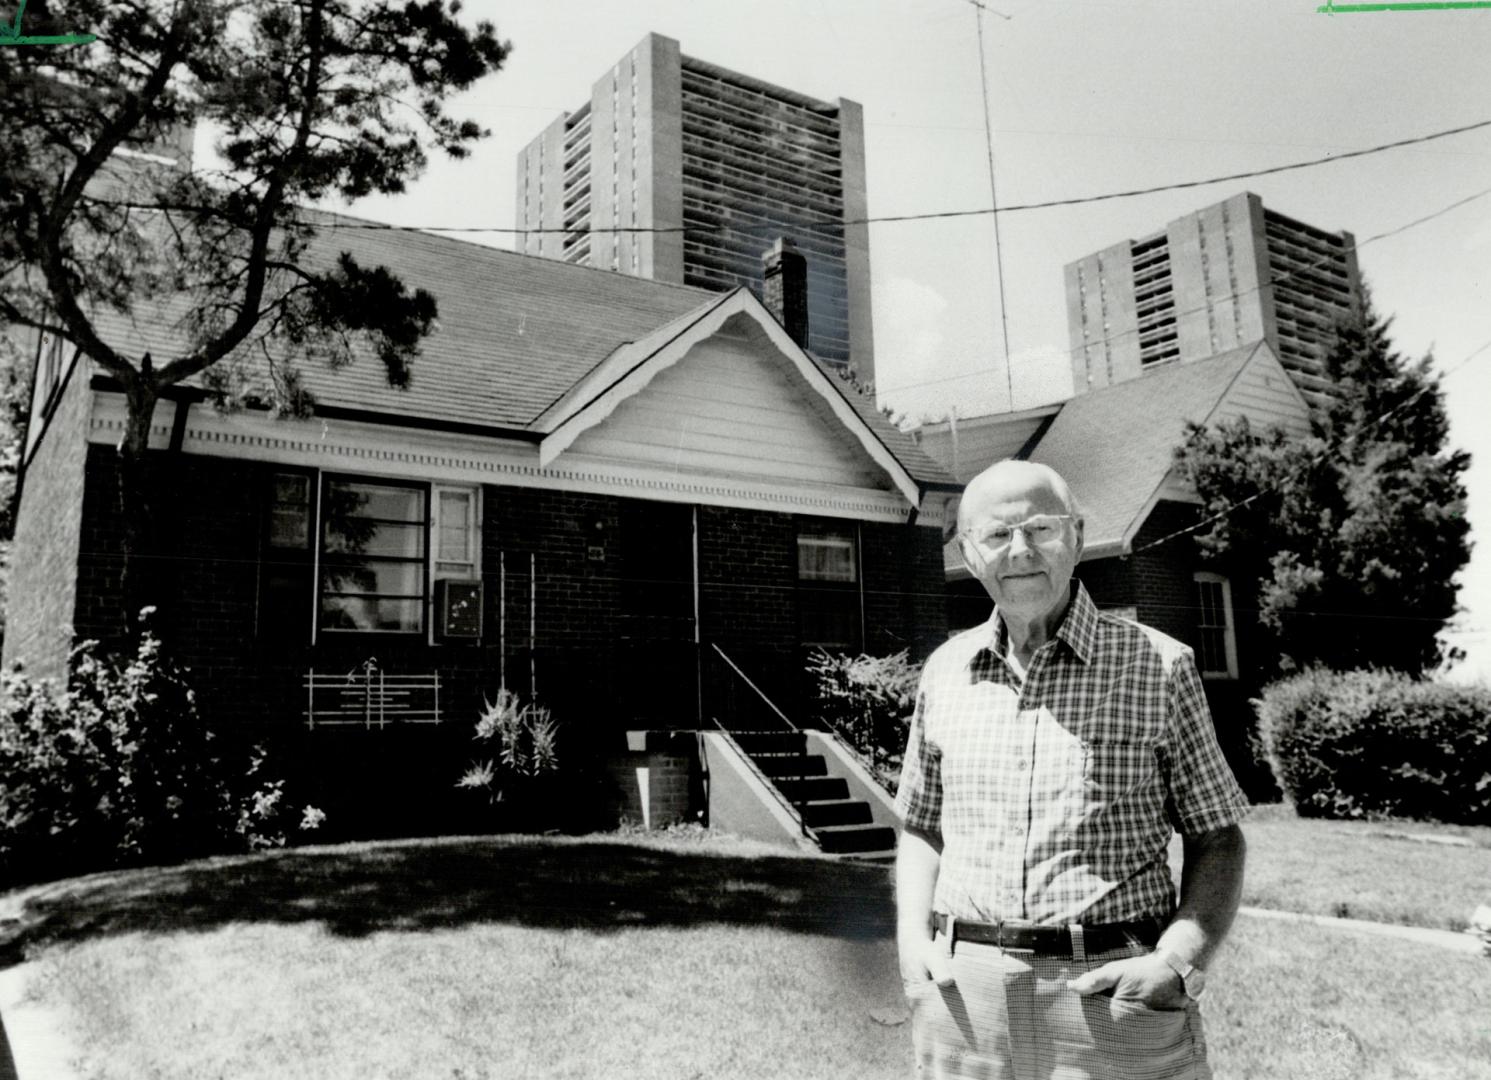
(1373, 744)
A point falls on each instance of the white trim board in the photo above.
(381, 450)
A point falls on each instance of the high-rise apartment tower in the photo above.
(681, 171)
(1221, 277)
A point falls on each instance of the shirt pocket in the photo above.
(1113, 770)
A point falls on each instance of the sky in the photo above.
(1084, 98)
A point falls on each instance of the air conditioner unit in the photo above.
(458, 609)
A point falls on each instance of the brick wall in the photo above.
(1161, 578)
(656, 780)
(40, 587)
(608, 581)
(905, 594)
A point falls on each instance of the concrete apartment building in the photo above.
(1232, 273)
(724, 166)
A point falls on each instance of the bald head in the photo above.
(1005, 482)
(1029, 577)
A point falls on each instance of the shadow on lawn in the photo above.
(601, 886)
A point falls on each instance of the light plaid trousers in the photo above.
(1010, 1016)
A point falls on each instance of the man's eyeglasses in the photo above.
(992, 540)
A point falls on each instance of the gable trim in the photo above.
(595, 403)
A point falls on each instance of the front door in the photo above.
(656, 670)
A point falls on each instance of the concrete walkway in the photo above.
(1444, 939)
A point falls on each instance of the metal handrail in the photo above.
(759, 692)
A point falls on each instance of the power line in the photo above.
(931, 216)
(1274, 279)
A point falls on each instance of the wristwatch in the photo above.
(1192, 978)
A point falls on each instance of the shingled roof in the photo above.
(1115, 446)
(515, 335)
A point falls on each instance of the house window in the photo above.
(456, 532)
(285, 568)
(828, 595)
(373, 544)
(1216, 654)
(290, 511)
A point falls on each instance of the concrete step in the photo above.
(775, 765)
(771, 742)
(813, 789)
(836, 812)
(842, 839)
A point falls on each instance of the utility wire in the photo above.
(1004, 321)
(1274, 279)
(939, 215)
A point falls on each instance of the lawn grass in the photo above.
(496, 957)
(1366, 870)
(477, 959)
(1290, 1000)
(481, 1003)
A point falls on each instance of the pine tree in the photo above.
(308, 100)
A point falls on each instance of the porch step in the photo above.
(814, 789)
(843, 839)
(775, 765)
(836, 812)
(771, 742)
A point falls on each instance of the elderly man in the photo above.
(1052, 752)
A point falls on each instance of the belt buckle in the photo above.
(1012, 924)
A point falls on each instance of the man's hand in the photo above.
(1145, 979)
(924, 959)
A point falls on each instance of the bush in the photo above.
(868, 700)
(1373, 744)
(118, 769)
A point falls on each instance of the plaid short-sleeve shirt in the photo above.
(1055, 799)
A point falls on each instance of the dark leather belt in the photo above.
(1051, 940)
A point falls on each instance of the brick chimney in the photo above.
(785, 285)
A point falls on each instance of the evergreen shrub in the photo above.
(1377, 744)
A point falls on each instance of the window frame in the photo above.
(1227, 626)
(818, 531)
(288, 561)
(472, 565)
(318, 481)
(427, 584)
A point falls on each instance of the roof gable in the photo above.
(728, 407)
(1115, 446)
(794, 390)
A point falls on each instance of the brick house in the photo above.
(639, 503)
(1115, 447)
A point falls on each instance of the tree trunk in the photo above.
(141, 574)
